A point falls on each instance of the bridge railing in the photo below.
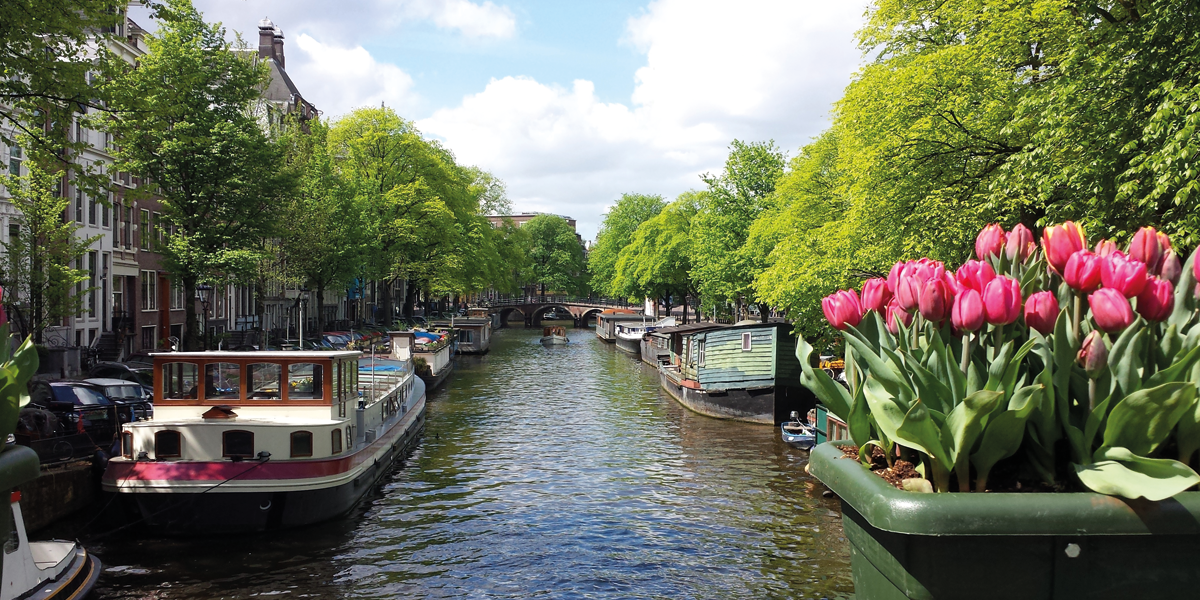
(582, 301)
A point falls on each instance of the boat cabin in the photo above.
(606, 323)
(474, 335)
(744, 356)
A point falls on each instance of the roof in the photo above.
(626, 317)
(265, 354)
(690, 328)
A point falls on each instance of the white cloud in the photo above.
(349, 78)
(473, 20)
(715, 71)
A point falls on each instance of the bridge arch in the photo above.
(590, 313)
(507, 312)
(541, 310)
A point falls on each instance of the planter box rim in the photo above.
(1053, 514)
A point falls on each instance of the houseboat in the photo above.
(631, 334)
(254, 441)
(656, 348)
(746, 372)
(606, 322)
(432, 354)
(474, 335)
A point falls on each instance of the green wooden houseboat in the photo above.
(746, 372)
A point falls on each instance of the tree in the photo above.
(616, 232)
(43, 282)
(556, 260)
(657, 262)
(723, 268)
(186, 124)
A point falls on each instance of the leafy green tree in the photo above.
(512, 244)
(556, 260)
(657, 262)
(616, 232)
(41, 281)
(723, 267)
(185, 123)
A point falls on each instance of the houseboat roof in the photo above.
(268, 355)
(626, 317)
(689, 328)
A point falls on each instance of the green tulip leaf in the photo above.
(859, 422)
(930, 389)
(1185, 300)
(1142, 420)
(1095, 419)
(1187, 434)
(1064, 356)
(881, 370)
(1001, 439)
(1180, 371)
(998, 366)
(1026, 400)
(965, 423)
(884, 407)
(918, 431)
(1118, 472)
(1125, 360)
(832, 394)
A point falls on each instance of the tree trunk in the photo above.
(764, 311)
(320, 308)
(190, 339)
(410, 297)
(685, 308)
(385, 304)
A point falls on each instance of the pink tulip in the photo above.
(1093, 355)
(1041, 311)
(1156, 302)
(937, 298)
(894, 314)
(1105, 247)
(842, 309)
(1002, 300)
(1124, 274)
(1020, 244)
(912, 278)
(967, 314)
(1110, 310)
(990, 242)
(1083, 271)
(1146, 248)
(893, 278)
(1060, 242)
(974, 274)
(1171, 269)
(876, 294)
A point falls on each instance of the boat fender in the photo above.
(100, 460)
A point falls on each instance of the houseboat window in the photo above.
(301, 444)
(167, 444)
(700, 352)
(335, 441)
(127, 445)
(264, 381)
(746, 342)
(465, 336)
(341, 409)
(222, 381)
(179, 380)
(304, 381)
(237, 443)
(337, 381)
(354, 378)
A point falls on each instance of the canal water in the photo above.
(560, 472)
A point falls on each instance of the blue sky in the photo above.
(573, 103)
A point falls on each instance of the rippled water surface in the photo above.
(557, 472)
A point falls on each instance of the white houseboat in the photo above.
(254, 441)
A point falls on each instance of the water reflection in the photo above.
(544, 472)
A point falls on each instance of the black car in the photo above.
(79, 407)
(132, 399)
(140, 374)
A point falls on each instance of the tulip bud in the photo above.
(876, 294)
(1110, 310)
(1146, 248)
(1083, 271)
(842, 309)
(894, 314)
(1002, 300)
(990, 242)
(1105, 247)
(937, 298)
(1093, 355)
(1123, 274)
(974, 274)
(1156, 302)
(1171, 269)
(1060, 242)
(1041, 311)
(893, 278)
(1020, 244)
(967, 314)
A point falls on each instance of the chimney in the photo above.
(266, 38)
(278, 43)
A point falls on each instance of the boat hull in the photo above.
(554, 340)
(434, 381)
(765, 405)
(653, 355)
(628, 346)
(75, 582)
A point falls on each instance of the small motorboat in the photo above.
(51, 570)
(797, 433)
(552, 336)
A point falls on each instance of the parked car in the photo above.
(133, 401)
(140, 374)
(79, 407)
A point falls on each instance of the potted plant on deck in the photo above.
(1046, 395)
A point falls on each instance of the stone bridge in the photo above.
(534, 308)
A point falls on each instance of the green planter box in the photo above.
(1028, 546)
(18, 465)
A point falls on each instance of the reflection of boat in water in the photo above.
(50, 570)
(552, 336)
(798, 434)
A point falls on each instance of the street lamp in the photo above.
(204, 293)
(303, 300)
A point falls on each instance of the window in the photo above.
(222, 381)
(104, 210)
(14, 161)
(78, 205)
(238, 444)
(158, 229)
(127, 445)
(747, 341)
(177, 296)
(148, 341)
(149, 290)
(127, 226)
(301, 444)
(700, 352)
(93, 258)
(80, 136)
(179, 380)
(264, 381)
(337, 382)
(335, 441)
(465, 336)
(144, 234)
(92, 210)
(14, 233)
(305, 381)
(167, 444)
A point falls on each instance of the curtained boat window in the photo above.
(746, 341)
(222, 381)
(264, 381)
(301, 444)
(127, 444)
(179, 380)
(335, 441)
(305, 381)
(237, 443)
(167, 444)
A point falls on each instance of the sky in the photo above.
(572, 103)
